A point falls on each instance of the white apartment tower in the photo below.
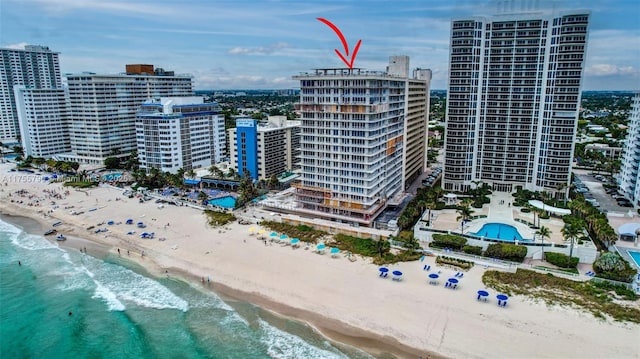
(103, 109)
(175, 133)
(264, 148)
(43, 117)
(362, 135)
(629, 177)
(34, 67)
(513, 99)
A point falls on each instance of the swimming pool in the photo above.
(500, 231)
(224, 202)
(111, 176)
(635, 256)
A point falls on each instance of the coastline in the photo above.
(340, 334)
(345, 301)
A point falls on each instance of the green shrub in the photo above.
(477, 250)
(448, 241)
(454, 262)
(611, 266)
(525, 210)
(506, 251)
(561, 260)
(544, 215)
(440, 205)
(218, 219)
(80, 184)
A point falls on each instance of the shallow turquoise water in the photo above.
(224, 202)
(120, 312)
(635, 256)
(500, 231)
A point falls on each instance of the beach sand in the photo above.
(344, 300)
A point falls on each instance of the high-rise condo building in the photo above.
(102, 109)
(629, 177)
(264, 148)
(363, 138)
(175, 133)
(34, 67)
(43, 117)
(513, 99)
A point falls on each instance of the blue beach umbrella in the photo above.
(295, 241)
(321, 247)
(283, 236)
(274, 234)
(335, 250)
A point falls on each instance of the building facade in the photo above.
(513, 99)
(264, 148)
(34, 67)
(102, 111)
(629, 176)
(363, 135)
(43, 118)
(174, 133)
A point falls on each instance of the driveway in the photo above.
(597, 190)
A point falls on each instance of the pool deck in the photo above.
(497, 213)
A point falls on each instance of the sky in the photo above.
(243, 44)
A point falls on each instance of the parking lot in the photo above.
(597, 192)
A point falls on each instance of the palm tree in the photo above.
(382, 246)
(543, 232)
(465, 213)
(191, 173)
(571, 231)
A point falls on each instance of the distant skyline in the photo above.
(256, 45)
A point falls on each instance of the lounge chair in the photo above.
(426, 267)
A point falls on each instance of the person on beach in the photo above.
(128, 252)
(19, 264)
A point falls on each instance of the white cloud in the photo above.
(262, 50)
(609, 70)
(18, 46)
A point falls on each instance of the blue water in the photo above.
(500, 231)
(635, 256)
(111, 176)
(224, 202)
(118, 311)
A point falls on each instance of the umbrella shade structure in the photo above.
(321, 247)
(283, 236)
(295, 241)
(383, 269)
(452, 283)
(334, 250)
(483, 295)
(397, 272)
(262, 231)
(397, 275)
(502, 300)
(252, 229)
(273, 234)
(453, 280)
(129, 221)
(433, 278)
(111, 223)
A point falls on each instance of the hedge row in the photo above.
(448, 241)
(454, 262)
(477, 250)
(561, 260)
(510, 252)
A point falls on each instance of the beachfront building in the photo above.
(629, 176)
(43, 117)
(264, 148)
(175, 133)
(363, 139)
(102, 109)
(34, 67)
(513, 98)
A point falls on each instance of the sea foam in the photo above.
(281, 345)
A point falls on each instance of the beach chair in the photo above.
(426, 267)
(461, 275)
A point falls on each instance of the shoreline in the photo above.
(340, 334)
(346, 302)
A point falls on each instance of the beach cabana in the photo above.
(397, 275)
(450, 198)
(452, 283)
(483, 295)
(502, 300)
(433, 278)
(320, 248)
(334, 252)
(295, 242)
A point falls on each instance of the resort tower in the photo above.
(363, 137)
(513, 99)
(34, 67)
(629, 177)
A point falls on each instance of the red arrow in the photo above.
(344, 44)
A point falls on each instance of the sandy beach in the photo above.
(344, 300)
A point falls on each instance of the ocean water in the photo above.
(118, 311)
